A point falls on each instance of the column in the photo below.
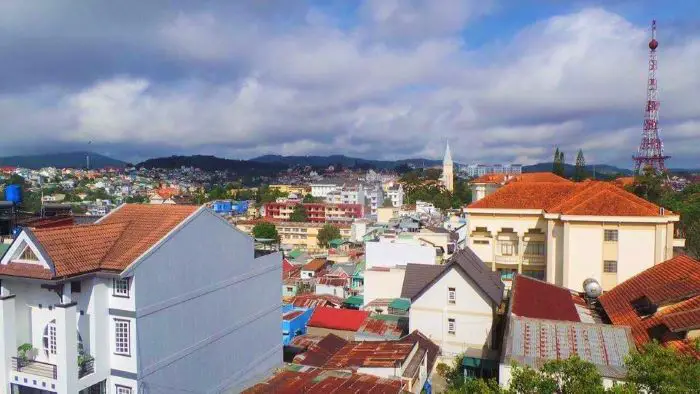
(66, 348)
(565, 265)
(8, 340)
(550, 253)
(521, 251)
(494, 241)
(98, 313)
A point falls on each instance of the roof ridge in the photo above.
(586, 197)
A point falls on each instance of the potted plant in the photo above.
(26, 352)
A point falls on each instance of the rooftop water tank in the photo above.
(13, 193)
(592, 288)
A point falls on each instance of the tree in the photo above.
(326, 234)
(572, 375)
(649, 185)
(657, 369)
(580, 171)
(265, 230)
(558, 163)
(299, 214)
(310, 199)
(433, 174)
(387, 203)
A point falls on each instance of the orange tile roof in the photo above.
(584, 198)
(315, 264)
(113, 243)
(534, 177)
(25, 270)
(658, 283)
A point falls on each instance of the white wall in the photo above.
(635, 250)
(472, 311)
(337, 291)
(383, 284)
(584, 251)
(386, 254)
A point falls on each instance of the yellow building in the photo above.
(297, 235)
(300, 190)
(566, 232)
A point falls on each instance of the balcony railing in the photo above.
(507, 259)
(36, 368)
(534, 259)
(87, 367)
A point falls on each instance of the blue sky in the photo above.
(503, 81)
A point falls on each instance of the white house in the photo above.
(455, 304)
(321, 190)
(150, 299)
(396, 194)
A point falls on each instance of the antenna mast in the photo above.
(651, 150)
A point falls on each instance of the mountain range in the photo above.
(62, 160)
(267, 164)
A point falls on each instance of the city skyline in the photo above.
(376, 79)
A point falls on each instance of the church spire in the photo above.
(448, 155)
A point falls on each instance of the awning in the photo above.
(355, 301)
(402, 304)
(473, 362)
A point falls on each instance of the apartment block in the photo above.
(316, 212)
(297, 235)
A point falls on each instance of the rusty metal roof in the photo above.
(377, 354)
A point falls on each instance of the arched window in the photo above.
(50, 338)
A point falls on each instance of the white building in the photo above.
(151, 298)
(474, 170)
(321, 190)
(455, 304)
(395, 193)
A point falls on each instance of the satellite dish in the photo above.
(592, 288)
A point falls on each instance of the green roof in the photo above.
(402, 304)
(477, 363)
(359, 269)
(355, 300)
(294, 253)
(336, 242)
(387, 317)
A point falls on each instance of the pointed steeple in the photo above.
(447, 160)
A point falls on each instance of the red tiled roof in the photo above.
(338, 319)
(583, 198)
(315, 264)
(330, 281)
(316, 300)
(540, 300)
(112, 244)
(526, 177)
(25, 270)
(318, 353)
(657, 283)
(311, 380)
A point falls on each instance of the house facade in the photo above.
(565, 232)
(455, 304)
(87, 305)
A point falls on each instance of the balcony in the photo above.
(512, 259)
(86, 366)
(534, 259)
(36, 368)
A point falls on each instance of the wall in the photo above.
(472, 311)
(494, 223)
(636, 250)
(337, 291)
(322, 332)
(383, 284)
(583, 254)
(198, 284)
(386, 254)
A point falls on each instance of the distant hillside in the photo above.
(61, 160)
(213, 163)
(345, 161)
(599, 169)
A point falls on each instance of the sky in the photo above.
(505, 81)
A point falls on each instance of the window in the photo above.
(451, 295)
(50, 338)
(610, 266)
(120, 287)
(451, 326)
(28, 255)
(481, 242)
(75, 286)
(508, 248)
(610, 236)
(290, 289)
(122, 343)
(534, 274)
(123, 389)
(534, 248)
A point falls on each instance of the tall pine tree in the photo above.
(555, 162)
(580, 171)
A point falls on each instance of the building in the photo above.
(396, 194)
(299, 190)
(119, 282)
(321, 190)
(379, 327)
(341, 322)
(455, 305)
(448, 170)
(477, 170)
(546, 322)
(661, 303)
(301, 236)
(314, 267)
(316, 212)
(487, 184)
(294, 321)
(566, 232)
(335, 286)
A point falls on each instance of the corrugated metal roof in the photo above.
(535, 341)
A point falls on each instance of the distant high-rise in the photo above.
(651, 150)
(448, 169)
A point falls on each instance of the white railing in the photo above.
(507, 259)
(534, 259)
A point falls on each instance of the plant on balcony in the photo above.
(23, 351)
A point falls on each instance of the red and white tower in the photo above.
(651, 150)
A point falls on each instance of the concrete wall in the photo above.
(383, 284)
(322, 332)
(386, 254)
(473, 313)
(209, 314)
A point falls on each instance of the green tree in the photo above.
(326, 234)
(657, 369)
(649, 185)
(218, 193)
(433, 174)
(572, 375)
(299, 214)
(265, 230)
(556, 167)
(580, 171)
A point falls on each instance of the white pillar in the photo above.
(66, 348)
(550, 252)
(66, 298)
(8, 340)
(566, 250)
(99, 326)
